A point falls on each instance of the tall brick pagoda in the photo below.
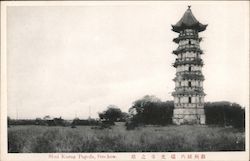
(188, 94)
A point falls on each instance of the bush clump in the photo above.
(225, 114)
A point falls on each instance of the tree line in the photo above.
(53, 122)
(149, 110)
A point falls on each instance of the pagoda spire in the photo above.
(188, 21)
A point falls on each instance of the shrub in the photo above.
(88, 122)
(131, 124)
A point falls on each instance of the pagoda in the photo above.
(188, 94)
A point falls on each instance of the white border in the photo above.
(218, 156)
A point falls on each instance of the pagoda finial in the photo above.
(189, 6)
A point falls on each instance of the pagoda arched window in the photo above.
(189, 68)
(189, 99)
(189, 84)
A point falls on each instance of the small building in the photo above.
(188, 94)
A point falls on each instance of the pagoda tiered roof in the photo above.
(182, 50)
(183, 92)
(190, 77)
(187, 88)
(196, 61)
(188, 72)
(188, 21)
(178, 39)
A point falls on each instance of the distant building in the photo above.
(188, 94)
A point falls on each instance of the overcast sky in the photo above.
(63, 60)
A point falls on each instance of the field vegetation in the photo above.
(44, 139)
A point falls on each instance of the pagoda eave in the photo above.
(188, 93)
(194, 62)
(194, 49)
(186, 37)
(198, 27)
(200, 79)
(190, 77)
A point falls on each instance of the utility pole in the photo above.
(89, 112)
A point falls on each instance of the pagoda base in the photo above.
(189, 116)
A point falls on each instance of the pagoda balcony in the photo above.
(195, 61)
(187, 88)
(189, 105)
(186, 48)
(197, 72)
(188, 93)
(185, 37)
(189, 76)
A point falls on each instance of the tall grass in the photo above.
(42, 139)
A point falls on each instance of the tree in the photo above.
(151, 110)
(39, 121)
(125, 116)
(112, 114)
(59, 121)
(139, 105)
(225, 114)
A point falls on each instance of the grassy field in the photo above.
(42, 139)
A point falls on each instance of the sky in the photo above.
(74, 61)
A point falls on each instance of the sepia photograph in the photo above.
(132, 80)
